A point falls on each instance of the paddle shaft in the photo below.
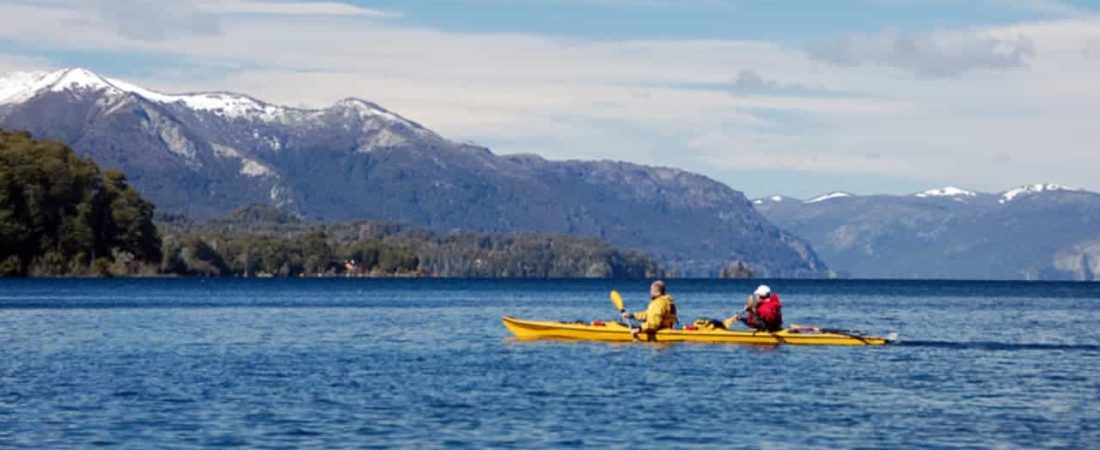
(617, 300)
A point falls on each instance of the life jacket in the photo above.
(770, 311)
(659, 315)
(671, 319)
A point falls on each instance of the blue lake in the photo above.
(426, 363)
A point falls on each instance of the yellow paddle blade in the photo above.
(617, 300)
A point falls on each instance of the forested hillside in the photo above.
(60, 215)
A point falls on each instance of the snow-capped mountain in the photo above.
(829, 196)
(22, 86)
(204, 154)
(948, 191)
(230, 144)
(1012, 194)
(772, 199)
(1039, 231)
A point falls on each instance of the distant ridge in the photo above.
(947, 191)
(829, 196)
(1042, 231)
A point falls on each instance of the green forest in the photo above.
(60, 215)
(261, 240)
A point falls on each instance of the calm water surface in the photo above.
(426, 363)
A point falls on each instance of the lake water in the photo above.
(427, 363)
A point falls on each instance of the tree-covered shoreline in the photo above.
(260, 240)
(60, 215)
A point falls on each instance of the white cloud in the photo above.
(154, 19)
(935, 54)
(1092, 49)
(1025, 106)
(15, 63)
(148, 21)
(748, 81)
(293, 8)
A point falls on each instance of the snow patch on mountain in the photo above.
(14, 85)
(19, 87)
(252, 168)
(1012, 194)
(174, 138)
(22, 86)
(383, 139)
(828, 196)
(249, 166)
(368, 110)
(221, 103)
(74, 79)
(225, 151)
(949, 191)
(772, 199)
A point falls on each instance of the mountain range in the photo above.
(205, 154)
(1032, 232)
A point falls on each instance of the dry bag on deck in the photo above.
(706, 323)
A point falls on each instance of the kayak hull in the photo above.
(618, 332)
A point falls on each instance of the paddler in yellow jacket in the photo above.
(660, 314)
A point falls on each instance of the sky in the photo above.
(770, 97)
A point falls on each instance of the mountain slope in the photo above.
(1041, 231)
(205, 154)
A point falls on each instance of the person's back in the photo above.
(764, 311)
(769, 311)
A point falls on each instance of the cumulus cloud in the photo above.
(932, 54)
(155, 19)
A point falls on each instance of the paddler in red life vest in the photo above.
(764, 311)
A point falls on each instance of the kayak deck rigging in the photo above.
(619, 332)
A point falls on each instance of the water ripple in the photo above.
(426, 363)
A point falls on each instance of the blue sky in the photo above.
(795, 97)
(706, 19)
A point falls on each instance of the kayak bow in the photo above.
(618, 332)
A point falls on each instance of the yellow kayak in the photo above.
(618, 332)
